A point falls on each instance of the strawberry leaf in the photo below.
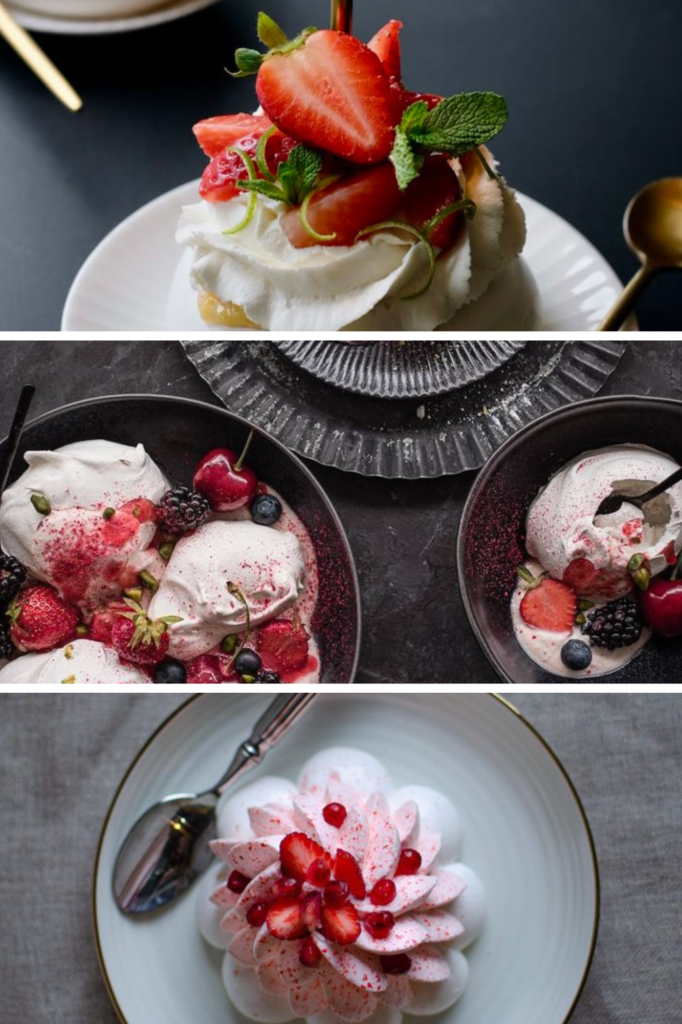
(248, 62)
(269, 32)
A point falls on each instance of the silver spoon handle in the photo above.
(270, 728)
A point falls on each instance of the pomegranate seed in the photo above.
(383, 892)
(336, 893)
(257, 913)
(399, 963)
(318, 873)
(311, 908)
(409, 862)
(309, 954)
(287, 888)
(379, 925)
(237, 882)
(334, 814)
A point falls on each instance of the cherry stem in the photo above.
(240, 461)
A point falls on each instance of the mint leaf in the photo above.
(406, 160)
(298, 176)
(263, 188)
(269, 32)
(460, 123)
(414, 117)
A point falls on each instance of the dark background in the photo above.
(403, 533)
(592, 85)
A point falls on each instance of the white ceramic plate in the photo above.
(126, 282)
(525, 834)
(38, 22)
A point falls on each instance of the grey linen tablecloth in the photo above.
(62, 756)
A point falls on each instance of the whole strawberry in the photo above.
(41, 620)
(139, 639)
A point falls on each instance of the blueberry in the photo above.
(247, 663)
(170, 672)
(576, 655)
(266, 509)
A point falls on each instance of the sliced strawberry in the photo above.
(429, 98)
(220, 177)
(386, 45)
(286, 642)
(215, 134)
(340, 924)
(346, 207)
(41, 620)
(347, 869)
(297, 852)
(102, 623)
(429, 194)
(285, 920)
(330, 92)
(550, 605)
(583, 576)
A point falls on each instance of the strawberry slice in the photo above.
(297, 852)
(285, 920)
(220, 177)
(214, 134)
(347, 869)
(286, 642)
(340, 924)
(429, 194)
(346, 207)
(331, 92)
(386, 45)
(550, 605)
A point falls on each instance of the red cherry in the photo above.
(225, 480)
(311, 908)
(336, 893)
(237, 882)
(257, 913)
(661, 605)
(409, 862)
(383, 892)
(379, 925)
(334, 814)
(399, 963)
(309, 954)
(287, 888)
(318, 873)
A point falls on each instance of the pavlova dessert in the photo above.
(347, 201)
(595, 587)
(111, 574)
(340, 898)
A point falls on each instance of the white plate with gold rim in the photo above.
(524, 833)
(89, 17)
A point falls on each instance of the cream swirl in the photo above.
(83, 661)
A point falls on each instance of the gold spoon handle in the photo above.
(37, 60)
(614, 319)
(342, 15)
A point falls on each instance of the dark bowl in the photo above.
(177, 432)
(490, 545)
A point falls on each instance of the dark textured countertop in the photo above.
(403, 534)
(591, 88)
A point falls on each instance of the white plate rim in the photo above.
(186, 192)
(535, 733)
(104, 26)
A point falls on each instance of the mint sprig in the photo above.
(455, 126)
(297, 178)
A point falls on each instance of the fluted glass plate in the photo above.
(524, 833)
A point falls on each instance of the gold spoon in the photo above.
(342, 15)
(653, 229)
(37, 60)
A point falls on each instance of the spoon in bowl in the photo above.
(15, 432)
(653, 229)
(168, 847)
(613, 502)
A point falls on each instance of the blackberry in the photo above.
(12, 575)
(6, 645)
(267, 678)
(616, 624)
(182, 510)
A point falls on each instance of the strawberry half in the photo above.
(297, 852)
(215, 134)
(436, 188)
(41, 620)
(548, 604)
(347, 869)
(286, 642)
(340, 924)
(219, 180)
(331, 92)
(386, 45)
(346, 208)
(285, 920)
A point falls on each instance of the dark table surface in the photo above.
(403, 533)
(591, 86)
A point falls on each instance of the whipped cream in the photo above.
(438, 910)
(359, 286)
(82, 661)
(74, 548)
(267, 565)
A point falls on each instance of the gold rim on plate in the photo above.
(496, 696)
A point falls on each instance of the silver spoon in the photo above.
(15, 433)
(168, 847)
(614, 501)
